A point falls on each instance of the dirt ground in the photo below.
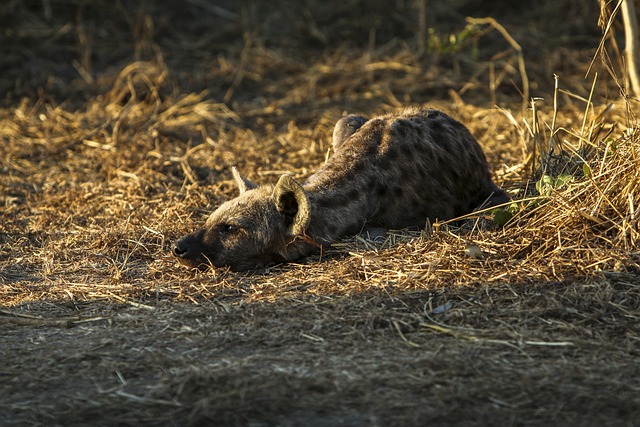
(120, 121)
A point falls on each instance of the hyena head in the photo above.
(254, 229)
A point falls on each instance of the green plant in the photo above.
(449, 44)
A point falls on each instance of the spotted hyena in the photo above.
(393, 171)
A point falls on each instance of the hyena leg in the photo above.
(495, 198)
(376, 234)
(498, 197)
(346, 127)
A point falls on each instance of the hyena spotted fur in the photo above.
(393, 171)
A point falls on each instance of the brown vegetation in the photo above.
(118, 129)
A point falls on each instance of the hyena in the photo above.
(393, 171)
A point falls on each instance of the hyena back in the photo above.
(393, 171)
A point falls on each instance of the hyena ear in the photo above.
(292, 201)
(243, 183)
(345, 127)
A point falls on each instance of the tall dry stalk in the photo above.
(632, 43)
(632, 38)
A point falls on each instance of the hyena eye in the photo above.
(228, 228)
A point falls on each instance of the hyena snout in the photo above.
(188, 249)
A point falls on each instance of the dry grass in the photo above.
(127, 143)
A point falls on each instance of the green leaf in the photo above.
(544, 186)
(547, 184)
(562, 180)
(586, 170)
(501, 216)
(514, 207)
